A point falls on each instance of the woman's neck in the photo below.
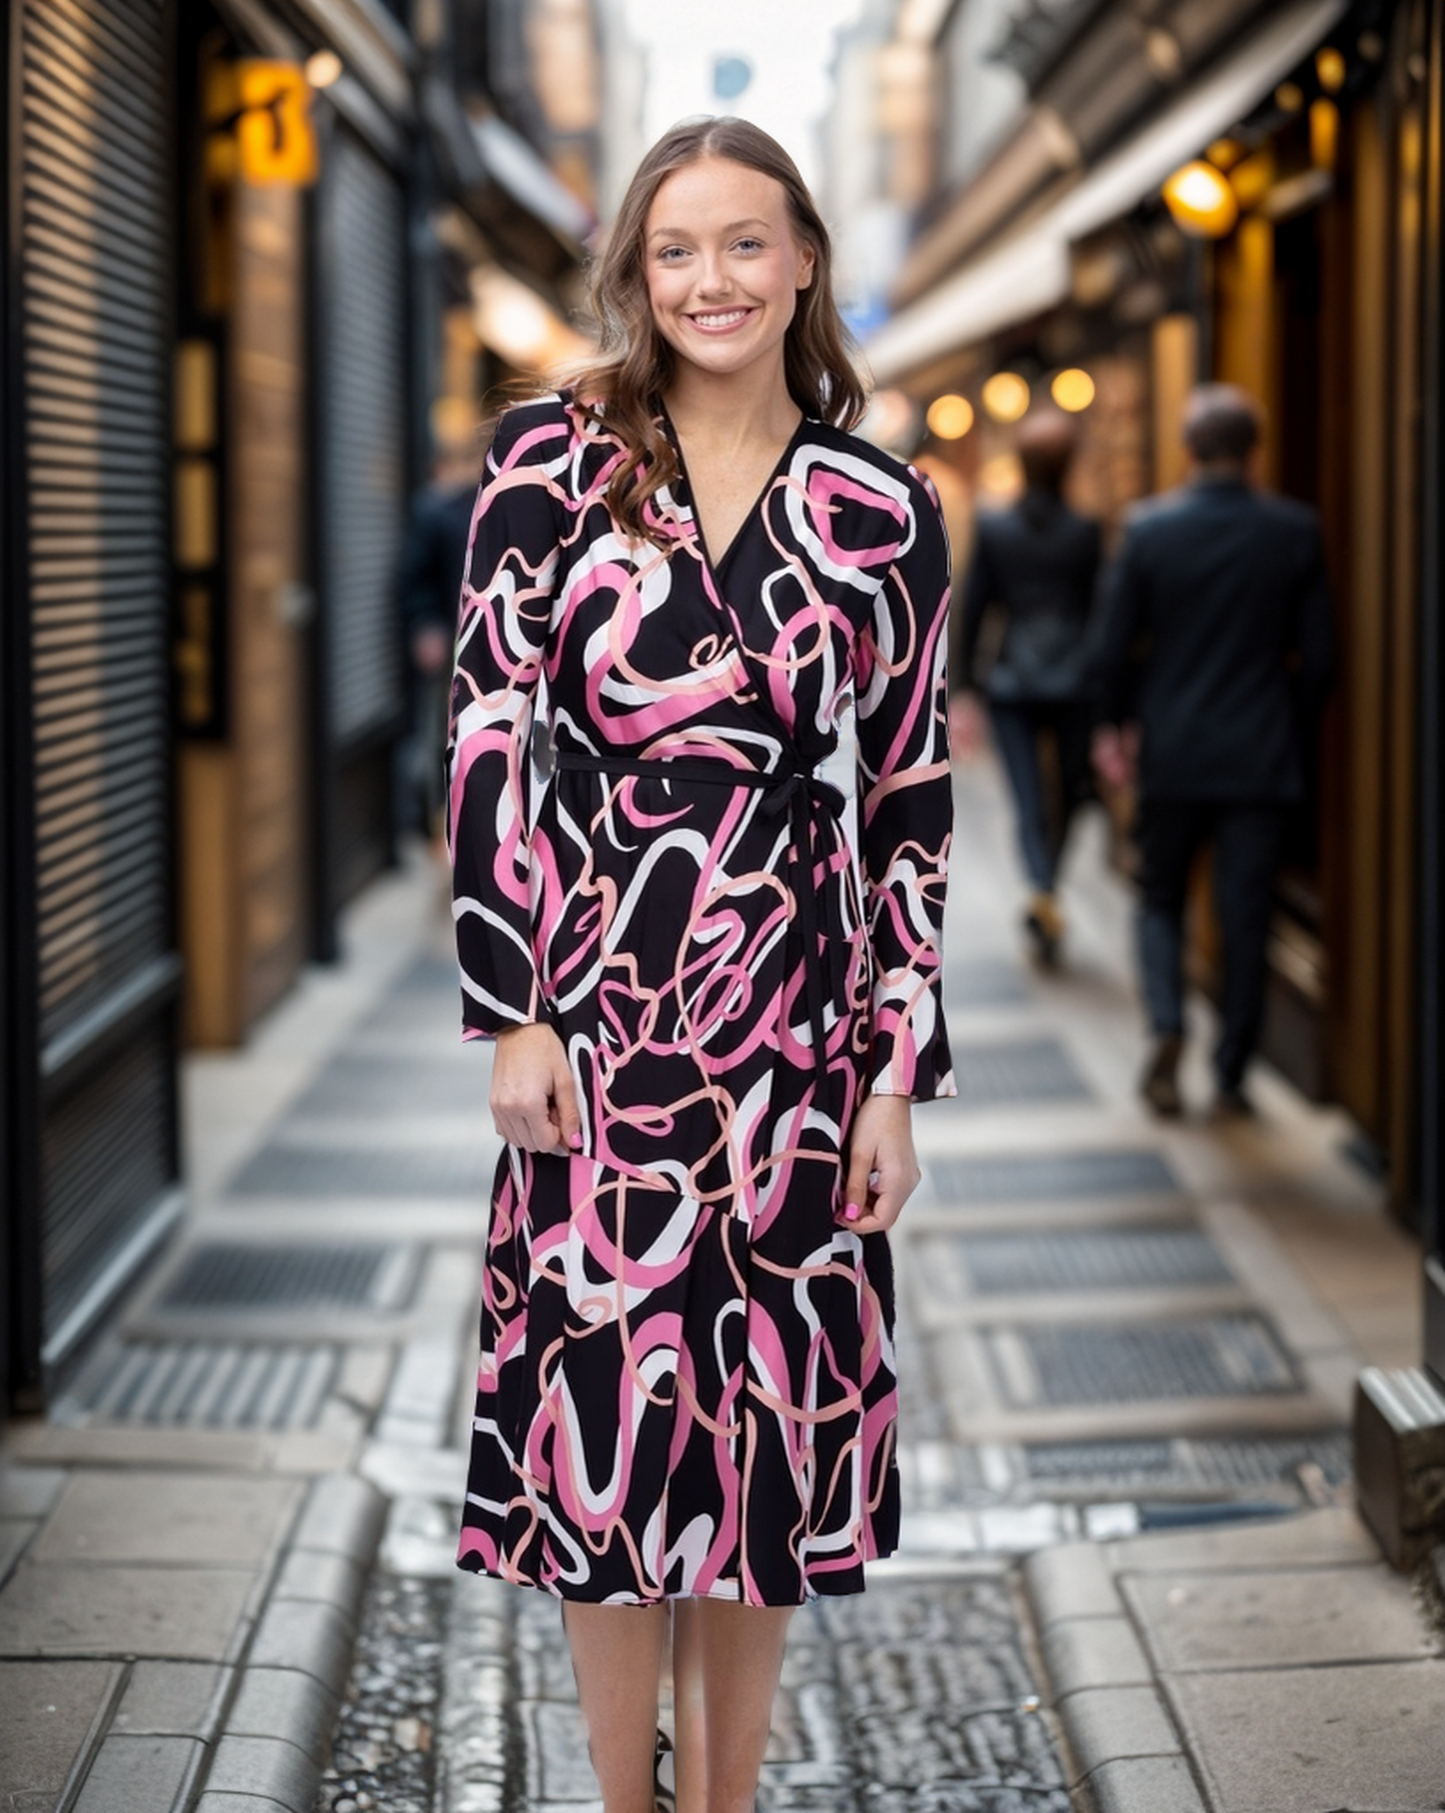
(725, 411)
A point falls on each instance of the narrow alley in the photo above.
(1130, 1565)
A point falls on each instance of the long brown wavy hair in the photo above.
(635, 364)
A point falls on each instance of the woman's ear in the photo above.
(807, 261)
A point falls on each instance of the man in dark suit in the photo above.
(1036, 565)
(1214, 656)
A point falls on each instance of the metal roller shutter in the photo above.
(364, 352)
(361, 362)
(92, 230)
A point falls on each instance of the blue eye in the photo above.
(671, 254)
(749, 245)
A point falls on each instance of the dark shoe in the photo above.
(1159, 1084)
(1231, 1105)
(664, 1775)
(1044, 927)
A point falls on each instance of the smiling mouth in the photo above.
(720, 320)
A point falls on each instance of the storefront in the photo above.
(1315, 290)
(222, 328)
(91, 970)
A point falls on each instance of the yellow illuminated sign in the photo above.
(267, 104)
(274, 134)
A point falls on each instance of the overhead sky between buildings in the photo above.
(768, 62)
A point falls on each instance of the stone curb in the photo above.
(270, 1752)
(1124, 1753)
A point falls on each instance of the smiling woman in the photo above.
(708, 1040)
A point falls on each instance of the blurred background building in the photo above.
(1113, 202)
(266, 255)
(270, 256)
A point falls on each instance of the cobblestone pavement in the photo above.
(1105, 1327)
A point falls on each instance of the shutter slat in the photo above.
(363, 478)
(91, 236)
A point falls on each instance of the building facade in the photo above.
(1047, 249)
(244, 241)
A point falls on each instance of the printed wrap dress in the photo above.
(687, 1379)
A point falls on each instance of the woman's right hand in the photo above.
(533, 1101)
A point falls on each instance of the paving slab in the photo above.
(1263, 1620)
(173, 1699)
(1366, 1737)
(1106, 1723)
(1145, 1784)
(1070, 1581)
(29, 1491)
(56, 1444)
(238, 1803)
(1324, 1538)
(343, 1515)
(264, 1766)
(168, 1517)
(1081, 1653)
(189, 1614)
(50, 1713)
(314, 1574)
(140, 1775)
(304, 1634)
(284, 1703)
(16, 1534)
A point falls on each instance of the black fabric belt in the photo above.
(792, 790)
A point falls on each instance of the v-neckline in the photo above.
(715, 567)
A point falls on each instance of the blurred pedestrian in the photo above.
(1215, 654)
(433, 556)
(1036, 565)
(707, 1041)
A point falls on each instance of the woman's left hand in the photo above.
(882, 1168)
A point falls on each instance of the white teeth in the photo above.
(727, 320)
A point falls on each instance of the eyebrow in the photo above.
(733, 226)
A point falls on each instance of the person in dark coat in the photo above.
(1215, 653)
(429, 583)
(1036, 564)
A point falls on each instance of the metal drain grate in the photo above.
(1045, 1176)
(1234, 1463)
(316, 1170)
(202, 1385)
(1065, 1259)
(1214, 1356)
(1013, 1071)
(223, 1277)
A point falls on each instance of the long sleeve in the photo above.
(511, 571)
(1121, 617)
(905, 800)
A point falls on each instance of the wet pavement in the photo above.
(1106, 1328)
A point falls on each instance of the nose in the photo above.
(714, 278)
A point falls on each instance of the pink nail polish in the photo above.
(575, 1142)
(852, 1211)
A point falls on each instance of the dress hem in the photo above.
(471, 1565)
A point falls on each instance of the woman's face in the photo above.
(724, 266)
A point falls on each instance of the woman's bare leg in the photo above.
(617, 1658)
(742, 1660)
(688, 1707)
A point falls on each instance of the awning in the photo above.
(1029, 272)
(511, 162)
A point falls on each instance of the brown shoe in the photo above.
(1044, 925)
(1159, 1085)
